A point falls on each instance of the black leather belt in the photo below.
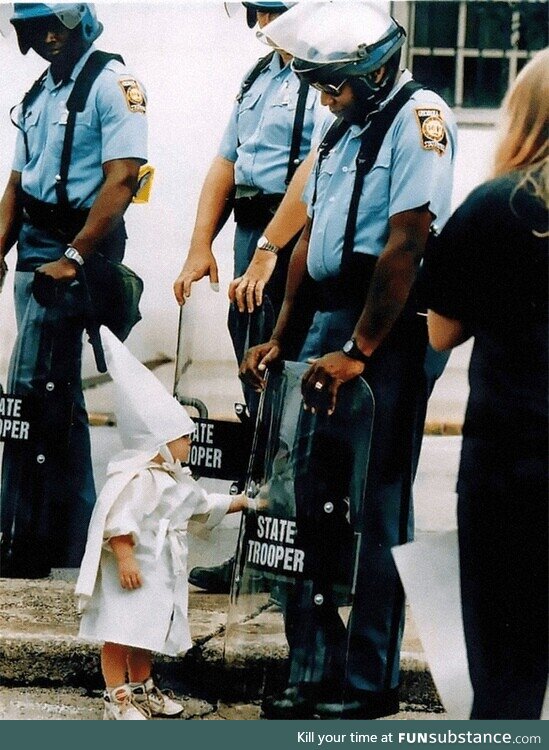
(59, 220)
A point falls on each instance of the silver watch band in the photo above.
(73, 254)
(264, 244)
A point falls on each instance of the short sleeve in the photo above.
(121, 101)
(20, 155)
(229, 142)
(421, 169)
(448, 270)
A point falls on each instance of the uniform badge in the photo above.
(433, 132)
(135, 98)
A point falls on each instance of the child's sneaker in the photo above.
(147, 695)
(120, 704)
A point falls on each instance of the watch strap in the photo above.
(72, 254)
(264, 244)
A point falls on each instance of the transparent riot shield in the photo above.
(207, 384)
(298, 547)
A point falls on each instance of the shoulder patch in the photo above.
(432, 129)
(134, 95)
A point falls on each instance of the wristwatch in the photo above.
(351, 350)
(264, 244)
(72, 254)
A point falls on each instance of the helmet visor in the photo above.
(324, 33)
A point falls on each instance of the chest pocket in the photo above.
(30, 125)
(377, 183)
(248, 117)
(325, 181)
(58, 125)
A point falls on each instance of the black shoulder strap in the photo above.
(253, 75)
(76, 103)
(369, 148)
(297, 131)
(335, 132)
(27, 100)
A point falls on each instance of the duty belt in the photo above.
(349, 287)
(256, 211)
(59, 220)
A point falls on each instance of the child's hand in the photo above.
(128, 569)
(243, 502)
(129, 573)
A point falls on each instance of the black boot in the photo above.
(214, 580)
(360, 704)
(296, 702)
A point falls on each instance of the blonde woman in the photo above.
(488, 279)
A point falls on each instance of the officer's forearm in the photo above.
(297, 270)
(393, 277)
(9, 213)
(292, 212)
(214, 202)
(110, 204)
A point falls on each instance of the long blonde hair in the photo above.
(525, 126)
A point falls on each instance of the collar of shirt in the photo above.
(50, 84)
(277, 65)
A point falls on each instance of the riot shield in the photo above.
(207, 385)
(299, 541)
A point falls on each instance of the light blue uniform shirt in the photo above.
(413, 168)
(259, 133)
(113, 125)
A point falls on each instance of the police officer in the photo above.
(61, 209)
(362, 243)
(270, 131)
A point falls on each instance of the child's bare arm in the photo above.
(128, 569)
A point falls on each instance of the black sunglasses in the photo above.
(329, 88)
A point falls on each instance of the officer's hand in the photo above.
(50, 280)
(63, 270)
(197, 265)
(247, 290)
(322, 380)
(255, 362)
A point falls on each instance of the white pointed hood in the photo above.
(147, 415)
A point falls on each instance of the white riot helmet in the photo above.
(332, 43)
(70, 15)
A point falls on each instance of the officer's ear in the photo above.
(378, 75)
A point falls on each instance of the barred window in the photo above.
(470, 52)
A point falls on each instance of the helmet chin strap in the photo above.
(368, 94)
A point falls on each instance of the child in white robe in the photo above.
(132, 587)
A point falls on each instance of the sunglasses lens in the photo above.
(329, 89)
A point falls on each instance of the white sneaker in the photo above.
(120, 704)
(147, 695)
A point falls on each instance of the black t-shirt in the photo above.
(488, 269)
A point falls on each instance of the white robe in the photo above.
(154, 504)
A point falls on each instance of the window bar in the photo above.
(460, 60)
(516, 19)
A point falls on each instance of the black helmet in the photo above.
(263, 7)
(70, 15)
